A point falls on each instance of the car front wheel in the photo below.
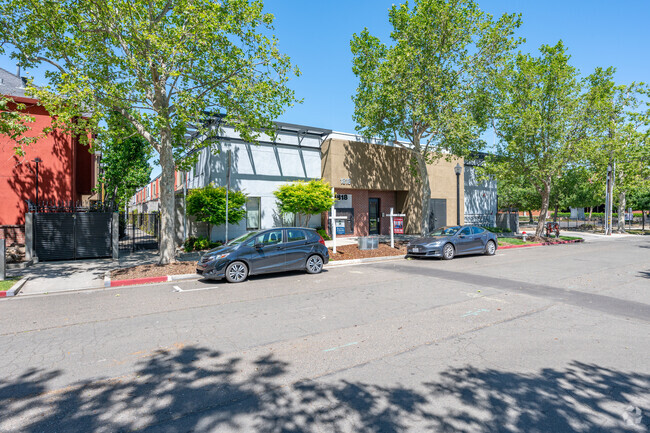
(448, 252)
(314, 264)
(236, 272)
(490, 248)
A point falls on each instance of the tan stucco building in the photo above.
(370, 177)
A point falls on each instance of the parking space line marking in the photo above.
(199, 289)
(178, 289)
(340, 347)
(475, 313)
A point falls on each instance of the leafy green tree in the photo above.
(304, 199)
(208, 204)
(620, 119)
(517, 193)
(428, 86)
(162, 64)
(539, 120)
(125, 160)
(14, 124)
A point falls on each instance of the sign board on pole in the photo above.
(340, 227)
(398, 225)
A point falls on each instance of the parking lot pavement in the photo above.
(472, 344)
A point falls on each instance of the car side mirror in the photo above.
(258, 246)
(461, 235)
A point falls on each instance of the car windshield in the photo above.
(445, 231)
(243, 238)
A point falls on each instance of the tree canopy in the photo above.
(428, 86)
(125, 160)
(208, 204)
(164, 65)
(14, 124)
(538, 116)
(304, 199)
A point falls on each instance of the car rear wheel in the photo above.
(314, 264)
(236, 272)
(490, 248)
(448, 252)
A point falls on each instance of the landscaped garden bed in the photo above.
(146, 271)
(351, 252)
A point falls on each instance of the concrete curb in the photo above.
(540, 244)
(15, 289)
(335, 263)
(148, 280)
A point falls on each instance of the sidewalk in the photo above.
(53, 277)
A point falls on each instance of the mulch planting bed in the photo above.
(144, 271)
(350, 252)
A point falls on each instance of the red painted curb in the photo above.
(135, 281)
(506, 247)
(3, 294)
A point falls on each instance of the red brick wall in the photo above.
(13, 235)
(360, 204)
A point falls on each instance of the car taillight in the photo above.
(321, 240)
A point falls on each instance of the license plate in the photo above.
(416, 250)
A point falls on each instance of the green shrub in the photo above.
(496, 229)
(201, 244)
(188, 245)
(321, 231)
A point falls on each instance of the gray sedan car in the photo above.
(448, 242)
(265, 251)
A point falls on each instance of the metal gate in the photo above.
(139, 232)
(72, 235)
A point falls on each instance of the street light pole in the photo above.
(458, 169)
(37, 160)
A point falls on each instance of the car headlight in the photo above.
(434, 244)
(217, 257)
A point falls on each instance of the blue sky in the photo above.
(316, 35)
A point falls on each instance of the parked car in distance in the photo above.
(265, 251)
(451, 241)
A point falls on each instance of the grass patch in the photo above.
(570, 238)
(511, 241)
(8, 283)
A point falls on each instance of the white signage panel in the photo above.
(343, 201)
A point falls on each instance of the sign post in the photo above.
(396, 225)
(333, 217)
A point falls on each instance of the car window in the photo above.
(466, 231)
(477, 230)
(445, 231)
(243, 238)
(269, 238)
(294, 235)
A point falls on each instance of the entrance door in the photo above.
(437, 213)
(373, 216)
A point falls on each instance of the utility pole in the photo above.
(227, 193)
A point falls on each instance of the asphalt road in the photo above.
(548, 339)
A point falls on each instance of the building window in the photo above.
(253, 213)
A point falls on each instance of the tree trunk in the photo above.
(530, 217)
(591, 209)
(167, 198)
(621, 212)
(546, 193)
(425, 193)
(557, 209)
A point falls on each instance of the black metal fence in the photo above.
(139, 232)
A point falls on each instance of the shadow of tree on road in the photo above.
(199, 390)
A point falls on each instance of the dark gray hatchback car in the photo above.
(448, 242)
(265, 251)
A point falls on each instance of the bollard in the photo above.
(3, 261)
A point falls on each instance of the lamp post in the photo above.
(458, 169)
(37, 160)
